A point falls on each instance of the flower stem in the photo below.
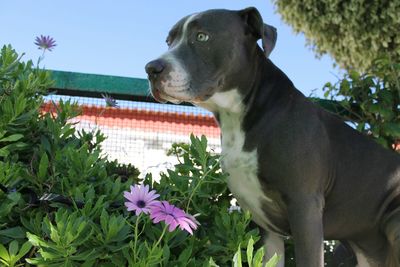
(136, 238)
(40, 58)
(199, 183)
(159, 239)
(149, 256)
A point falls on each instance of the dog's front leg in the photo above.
(305, 218)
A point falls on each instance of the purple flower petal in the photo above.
(130, 196)
(172, 226)
(45, 42)
(173, 217)
(130, 206)
(139, 201)
(169, 219)
(110, 102)
(185, 226)
(151, 195)
(138, 211)
(157, 219)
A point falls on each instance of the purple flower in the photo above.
(140, 199)
(45, 42)
(173, 216)
(110, 102)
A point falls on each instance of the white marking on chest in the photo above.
(242, 166)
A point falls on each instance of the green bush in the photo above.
(372, 101)
(61, 199)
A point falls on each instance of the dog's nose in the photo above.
(155, 67)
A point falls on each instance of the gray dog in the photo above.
(301, 171)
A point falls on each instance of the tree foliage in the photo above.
(353, 32)
(371, 101)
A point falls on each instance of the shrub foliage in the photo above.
(372, 101)
(61, 199)
(355, 32)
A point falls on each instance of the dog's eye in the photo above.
(202, 37)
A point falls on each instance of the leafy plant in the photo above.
(61, 199)
(254, 260)
(372, 101)
(66, 236)
(14, 254)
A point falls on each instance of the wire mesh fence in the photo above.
(141, 133)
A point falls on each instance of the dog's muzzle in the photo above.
(168, 80)
(154, 70)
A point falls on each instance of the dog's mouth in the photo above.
(163, 97)
(158, 96)
(184, 94)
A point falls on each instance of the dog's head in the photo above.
(209, 52)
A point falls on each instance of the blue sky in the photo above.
(120, 37)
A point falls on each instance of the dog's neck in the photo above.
(233, 99)
(273, 92)
(270, 88)
(229, 101)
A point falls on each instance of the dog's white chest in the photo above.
(242, 167)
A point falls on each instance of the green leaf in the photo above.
(12, 138)
(35, 240)
(20, 105)
(13, 233)
(89, 263)
(273, 261)
(185, 255)
(4, 253)
(54, 235)
(250, 248)
(166, 254)
(392, 129)
(258, 258)
(45, 143)
(43, 166)
(13, 248)
(4, 152)
(237, 258)
(211, 263)
(14, 196)
(104, 221)
(26, 247)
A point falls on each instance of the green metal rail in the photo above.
(93, 85)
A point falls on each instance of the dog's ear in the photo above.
(255, 26)
(269, 38)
